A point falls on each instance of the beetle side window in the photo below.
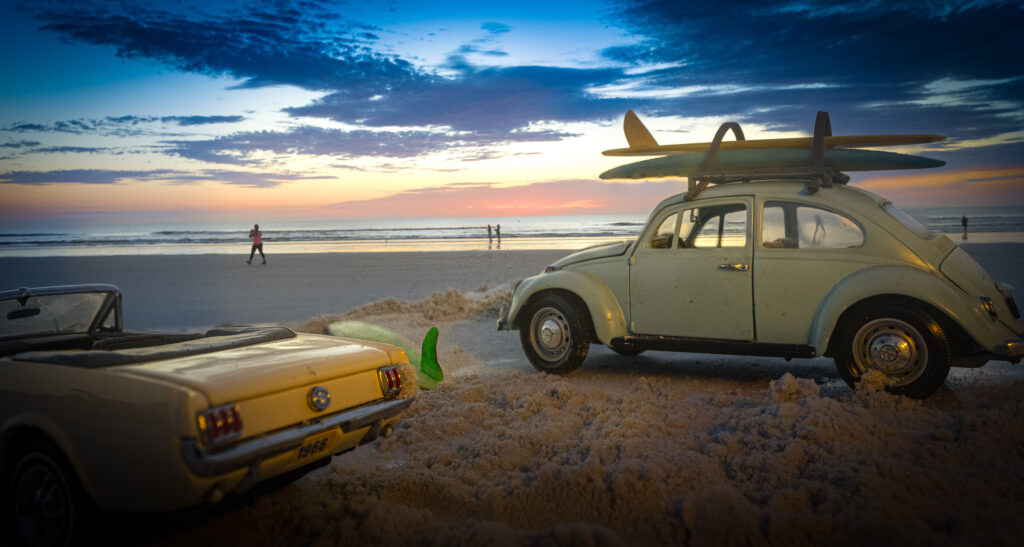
(664, 236)
(714, 226)
(791, 226)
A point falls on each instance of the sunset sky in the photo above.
(306, 109)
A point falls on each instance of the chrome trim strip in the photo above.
(208, 464)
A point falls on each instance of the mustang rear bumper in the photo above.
(1013, 348)
(244, 454)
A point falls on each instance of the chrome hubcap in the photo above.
(550, 334)
(893, 347)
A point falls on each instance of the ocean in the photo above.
(986, 224)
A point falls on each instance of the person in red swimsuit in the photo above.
(257, 243)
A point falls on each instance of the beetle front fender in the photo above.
(605, 311)
(907, 282)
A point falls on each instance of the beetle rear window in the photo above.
(910, 222)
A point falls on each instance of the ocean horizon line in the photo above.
(569, 244)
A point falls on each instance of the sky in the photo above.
(278, 109)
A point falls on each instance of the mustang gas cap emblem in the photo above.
(319, 398)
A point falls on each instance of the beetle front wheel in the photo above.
(901, 341)
(555, 334)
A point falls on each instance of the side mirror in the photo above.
(23, 312)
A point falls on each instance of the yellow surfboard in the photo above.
(642, 143)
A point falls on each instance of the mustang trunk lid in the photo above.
(242, 373)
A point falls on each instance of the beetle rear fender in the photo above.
(605, 312)
(937, 295)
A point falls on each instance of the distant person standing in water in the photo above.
(963, 220)
(490, 238)
(257, 243)
(497, 232)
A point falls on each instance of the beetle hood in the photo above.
(616, 248)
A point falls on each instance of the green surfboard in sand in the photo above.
(428, 370)
(842, 159)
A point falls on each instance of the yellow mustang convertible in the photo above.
(96, 417)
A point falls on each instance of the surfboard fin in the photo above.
(637, 134)
(429, 374)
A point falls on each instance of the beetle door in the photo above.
(691, 275)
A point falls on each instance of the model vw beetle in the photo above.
(95, 416)
(784, 260)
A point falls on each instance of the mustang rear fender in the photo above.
(900, 283)
(604, 309)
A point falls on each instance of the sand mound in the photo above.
(439, 307)
(517, 458)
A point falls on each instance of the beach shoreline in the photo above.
(203, 290)
(410, 245)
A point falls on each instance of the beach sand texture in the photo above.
(657, 449)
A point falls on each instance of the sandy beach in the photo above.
(663, 448)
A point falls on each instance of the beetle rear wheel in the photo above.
(901, 341)
(554, 334)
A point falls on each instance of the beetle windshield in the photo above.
(50, 314)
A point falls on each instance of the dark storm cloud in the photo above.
(316, 141)
(201, 120)
(275, 45)
(108, 176)
(321, 51)
(79, 176)
(906, 61)
(949, 67)
(20, 144)
(479, 99)
(117, 125)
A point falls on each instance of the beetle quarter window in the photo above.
(663, 237)
(791, 226)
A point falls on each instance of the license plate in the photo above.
(315, 447)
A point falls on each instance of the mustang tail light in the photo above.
(390, 380)
(220, 424)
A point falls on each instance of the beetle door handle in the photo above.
(734, 267)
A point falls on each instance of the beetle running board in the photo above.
(705, 345)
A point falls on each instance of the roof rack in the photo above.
(820, 174)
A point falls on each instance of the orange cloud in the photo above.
(967, 187)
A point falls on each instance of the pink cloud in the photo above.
(539, 198)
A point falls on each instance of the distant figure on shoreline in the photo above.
(490, 239)
(497, 232)
(257, 243)
(963, 220)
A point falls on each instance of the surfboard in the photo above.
(642, 143)
(843, 159)
(845, 141)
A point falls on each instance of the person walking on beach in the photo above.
(257, 243)
(497, 232)
(963, 220)
(490, 239)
